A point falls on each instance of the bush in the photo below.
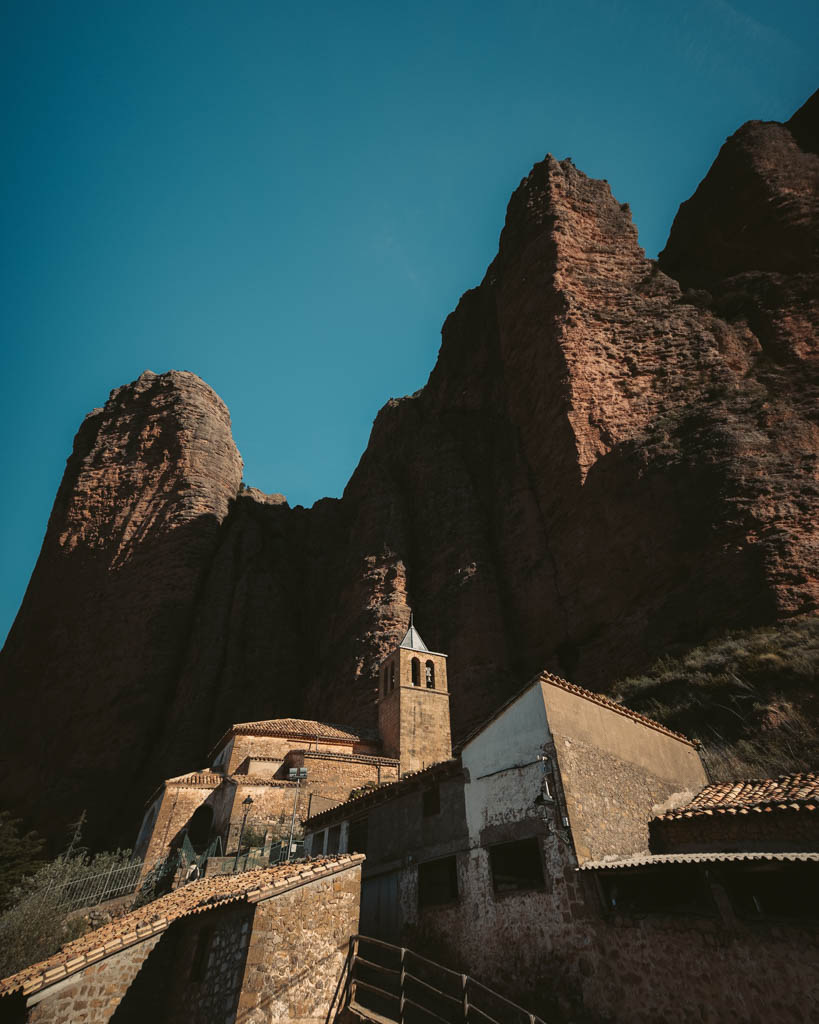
(37, 922)
(20, 855)
(750, 697)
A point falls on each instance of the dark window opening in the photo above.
(416, 672)
(392, 675)
(200, 956)
(781, 890)
(319, 843)
(516, 866)
(199, 827)
(432, 801)
(430, 674)
(437, 882)
(358, 836)
(671, 889)
(334, 839)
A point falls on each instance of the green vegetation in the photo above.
(254, 835)
(37, 921)
(365, 788)
(750, 697)
(20, 855)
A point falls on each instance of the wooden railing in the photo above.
(390, 984)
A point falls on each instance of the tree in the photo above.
(20, 854)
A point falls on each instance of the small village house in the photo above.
(544, 859)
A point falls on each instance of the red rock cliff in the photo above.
(601, 467)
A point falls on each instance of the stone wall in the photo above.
(195, 973)
(272, 805)
(93, 995)
(297, 950)
(278, 746)
(755, 830)
(617, 773)
(175, 811)
(331, 777)
(414, 721)
(276, 959)
(556, 953)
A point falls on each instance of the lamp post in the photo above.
(247, 803)
(298, 774)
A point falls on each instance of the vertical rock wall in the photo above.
(606, 463)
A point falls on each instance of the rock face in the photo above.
(606, 463)
(750, 234)
(94, 654)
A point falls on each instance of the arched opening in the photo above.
(430, 674)
(199, 827)
(392, 675)
(416, 672)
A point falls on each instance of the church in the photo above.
(262, 777)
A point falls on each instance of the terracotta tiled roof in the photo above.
(195, 898)
(297, 728)
(785, 793)
(642, 860)
(590, 695)
(210, 779)
(333, 755)
(388, 791)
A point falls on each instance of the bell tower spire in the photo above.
(413, 704)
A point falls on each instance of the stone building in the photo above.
(259, 946)
(413, 704)
(543, 834)
(262, 774)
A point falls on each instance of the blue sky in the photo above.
(289, 199)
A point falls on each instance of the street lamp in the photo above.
(247, 803)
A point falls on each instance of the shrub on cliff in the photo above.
(750, 697)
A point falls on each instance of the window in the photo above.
(516, 866)
(357, 842)
(334, 839)
(430, 674)
(392, 675)
(432, 801)
(670, 889)
(772, 890)
(200, 956)
(437, 882)
(319, 843)
(416, 672)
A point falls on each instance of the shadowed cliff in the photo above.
(606, 464)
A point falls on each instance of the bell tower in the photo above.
(413, 704)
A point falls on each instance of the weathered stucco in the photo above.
(615, 772)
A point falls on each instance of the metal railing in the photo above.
(92, 889)
(394, 985)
